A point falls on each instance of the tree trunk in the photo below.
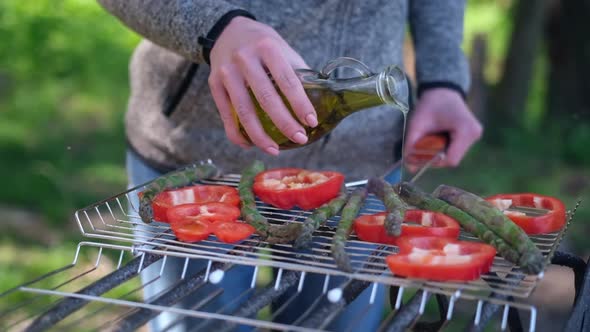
(477, 97)
(512, 91)
(568, 41)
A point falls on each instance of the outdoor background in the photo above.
(64, 86)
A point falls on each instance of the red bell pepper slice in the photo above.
(441, 259)
(231, 232)
(212, 212)
(286, 188)
(370, 227)
(192, 231)
(550, 222)
(193, 194)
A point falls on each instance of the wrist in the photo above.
(233, 16)
(440, 85)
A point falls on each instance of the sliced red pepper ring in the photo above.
(232, 232)
(192, 231)
(370, 227)
(441, 259)
(212, 212)
(193, 194)
(287, 188)
(550, 222)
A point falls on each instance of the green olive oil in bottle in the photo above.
(334, 99)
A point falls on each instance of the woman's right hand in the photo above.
(242, 54)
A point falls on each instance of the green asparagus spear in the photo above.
(396, 208)
(319, 216)
(281, 234)
(422, 200)
(349, 213)
(173, 180)
(495, 220)
(249, 211)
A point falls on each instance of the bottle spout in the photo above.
(393, 88)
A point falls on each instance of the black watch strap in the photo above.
(209, 41)
(440, 84)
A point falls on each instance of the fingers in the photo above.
(226, 112)
(269, 99)
(461, 140)
(288, 82)
(242, 104)
(440, 111)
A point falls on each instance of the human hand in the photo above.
(443, 110)
(240, 59)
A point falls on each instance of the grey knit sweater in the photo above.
(172, 120)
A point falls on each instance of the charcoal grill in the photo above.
(498, 296)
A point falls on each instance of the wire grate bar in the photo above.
(115, 219)
(153, 305)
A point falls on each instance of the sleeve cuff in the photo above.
(422, 87)
(208, 41)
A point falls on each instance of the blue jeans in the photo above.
(237, 280)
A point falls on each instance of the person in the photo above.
(198, 58)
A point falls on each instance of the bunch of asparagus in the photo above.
(480, 218)
(475, 215)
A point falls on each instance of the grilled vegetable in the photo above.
(441, 259)
(192, 231)
(395, 207)
(286, 188)
(69, 305)
(273, 234)
(369, 227)
(349, 213)
(173, 180)
(318, 217)
(232, 231)
(249, 211)
(414, 196)
(281, 234)
(552, 221)
(211, 212)
(496, 221)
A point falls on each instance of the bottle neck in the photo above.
(392, 88)
(388, 87)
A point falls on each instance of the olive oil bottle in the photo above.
(336, 98)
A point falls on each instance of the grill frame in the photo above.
(101, 222)
(110, 302)
(109, 221)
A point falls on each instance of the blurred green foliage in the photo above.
(63, 90)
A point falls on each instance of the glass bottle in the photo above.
(336, 98)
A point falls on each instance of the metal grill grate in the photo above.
(110, 221)
(117, 307)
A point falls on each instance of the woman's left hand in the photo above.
(444, 110)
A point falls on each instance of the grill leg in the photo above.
(576, 264)
(443, 306)
(580, 317)
(514, 321)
